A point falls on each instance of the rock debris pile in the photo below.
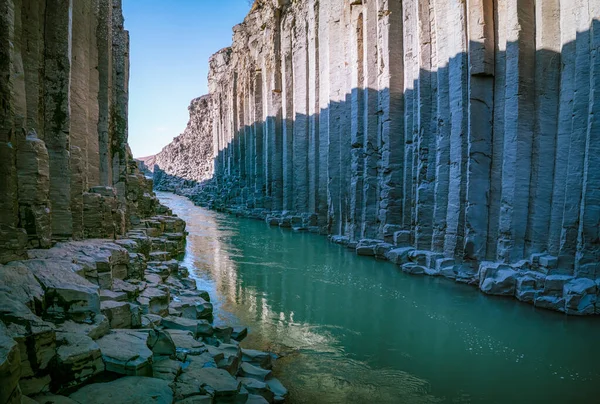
(466, 133)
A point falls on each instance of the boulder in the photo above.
(117, 313)
(166, 369)
(151, 320)
(413, 269)
(239, 333)
(17, 280)
(580, 296)
(497, 279)
(367, 247)
(399, 256)
(550, 302)
(248, 370)
(257, 358)
(184, 341)
(554, 284)
(257, 387)
(106, 294)
(230, 357)
(97, 328)
(67, 295)
(10, 368)
(212, 381)
(127, 390)
(78, 358)
(161, 343)
(223, 333)
(36, 340)
(126, 353)
(155, 301)
(200, 328)
(192, 307)
(529, 286)
(277, 388)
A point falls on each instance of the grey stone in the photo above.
(78, 358)
(199, 328)
(127, 390)
(248, 370)
(126, 353)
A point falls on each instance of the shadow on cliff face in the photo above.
(470, 166)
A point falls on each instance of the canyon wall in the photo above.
(464, 131)
(66, 171)
(189, 158)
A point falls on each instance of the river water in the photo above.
(357, 330)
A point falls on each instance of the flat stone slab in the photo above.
(67, 295)
(248, 370)
(126, 353)
(127, 390)
(184, 340)
(197, 327)
(215, 382)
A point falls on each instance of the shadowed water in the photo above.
(357, 330)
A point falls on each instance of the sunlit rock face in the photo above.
(189, 157)
(465, 130)
(65, 167)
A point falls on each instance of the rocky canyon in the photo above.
(94, 304)
(453, 138)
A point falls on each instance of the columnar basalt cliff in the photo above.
(65, 167)
(456, 138)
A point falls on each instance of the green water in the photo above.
(357, 330)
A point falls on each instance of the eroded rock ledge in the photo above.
(464, 132)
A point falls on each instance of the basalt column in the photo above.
(57, 114)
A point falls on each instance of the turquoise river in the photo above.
(357, 330)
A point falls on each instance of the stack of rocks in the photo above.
(121, 321)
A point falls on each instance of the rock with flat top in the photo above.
(126, 353)
(97, 328)
(200, 328)
(184, 341)
(254, 372)
(257, 358)
(155, 301)
(117, 313)
(127, 390)
(67, 294)
(257, 387)
(166, 369)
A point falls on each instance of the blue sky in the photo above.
(171, 41)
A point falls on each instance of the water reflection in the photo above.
(358, 330)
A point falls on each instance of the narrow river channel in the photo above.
(357, 330)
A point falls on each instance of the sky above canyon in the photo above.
(171, 42)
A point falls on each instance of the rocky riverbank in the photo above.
(121, 321)
(537, 280)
